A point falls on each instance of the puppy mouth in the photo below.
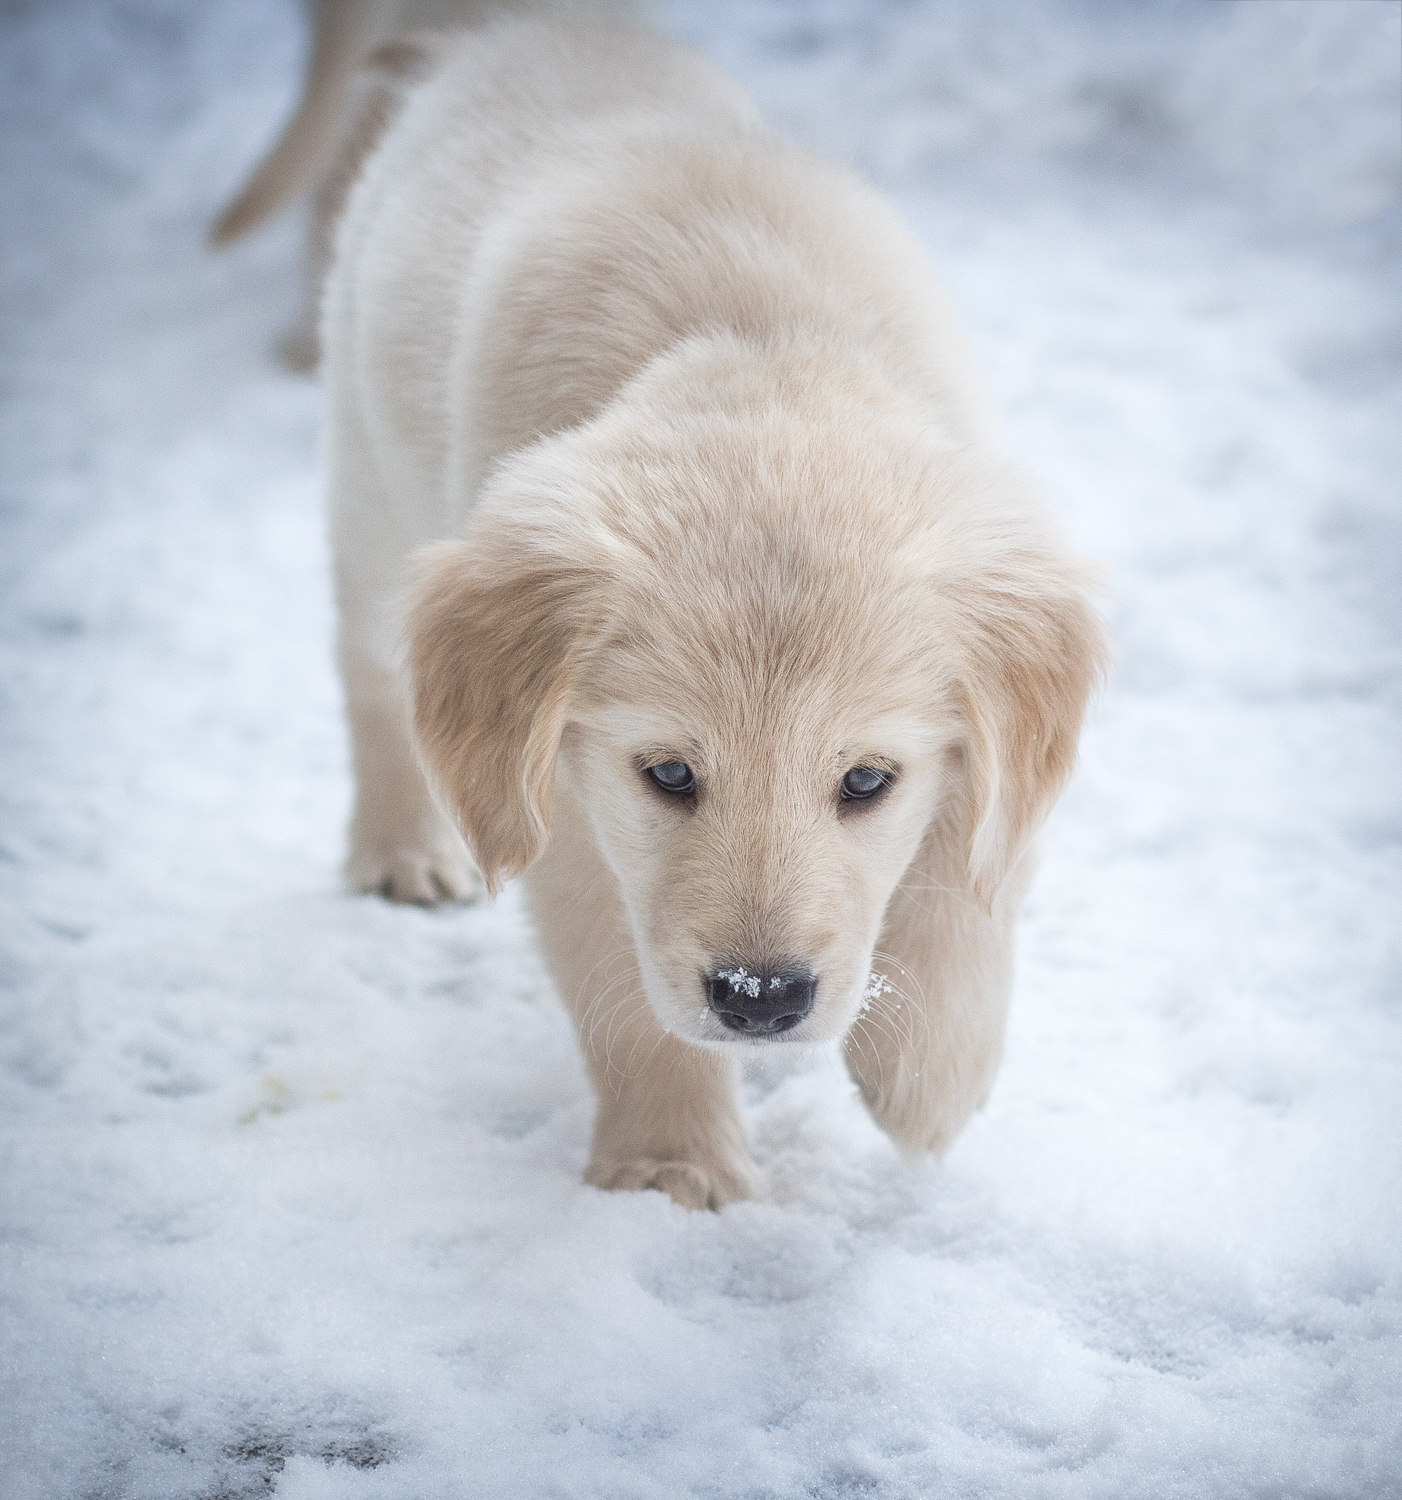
(733, 1021)
(718, 1034)
(717, 1031)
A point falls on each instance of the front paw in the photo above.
(683, 1181)
(419, 876)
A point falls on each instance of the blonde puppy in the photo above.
(729, 627)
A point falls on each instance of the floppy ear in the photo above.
(494, 635)
(1035, 655)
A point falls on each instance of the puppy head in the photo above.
(762, 661)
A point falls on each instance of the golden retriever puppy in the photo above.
(355, 75)
(727, 626)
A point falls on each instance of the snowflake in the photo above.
(877, 985)
(742, 979)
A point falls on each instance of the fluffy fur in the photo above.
(695, 466)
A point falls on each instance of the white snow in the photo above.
(742, 979)
(291, 1179)
(876, 986)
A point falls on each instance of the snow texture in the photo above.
(742, 979)
(291, 1183)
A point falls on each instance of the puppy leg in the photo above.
(401, 844)
(668, 1121)
(667, 1115)
(926, 1049)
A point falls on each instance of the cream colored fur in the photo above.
(363, 53)
(686, 460)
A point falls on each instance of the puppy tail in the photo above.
(305, 147)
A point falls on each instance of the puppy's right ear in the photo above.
(494, 635)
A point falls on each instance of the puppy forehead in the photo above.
(823, 677)
(820, 740)
(776, 629)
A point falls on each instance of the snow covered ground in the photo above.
(291, 1193)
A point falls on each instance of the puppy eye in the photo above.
(861, 783)
(673, 776)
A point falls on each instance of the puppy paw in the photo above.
(683, 1181)
(419, 877)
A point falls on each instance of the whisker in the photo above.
(932, 884)
(653, 1053)
(639, 1015)
(608, 958)
(865, 1042)
(907, 973)
(593, 1011)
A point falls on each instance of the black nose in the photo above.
(760, 1002)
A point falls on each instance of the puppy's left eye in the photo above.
(862, 783)
(673, 776)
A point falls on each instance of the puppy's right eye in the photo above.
(673, 776)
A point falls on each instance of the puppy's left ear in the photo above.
(1035, 650)
(495, 633)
